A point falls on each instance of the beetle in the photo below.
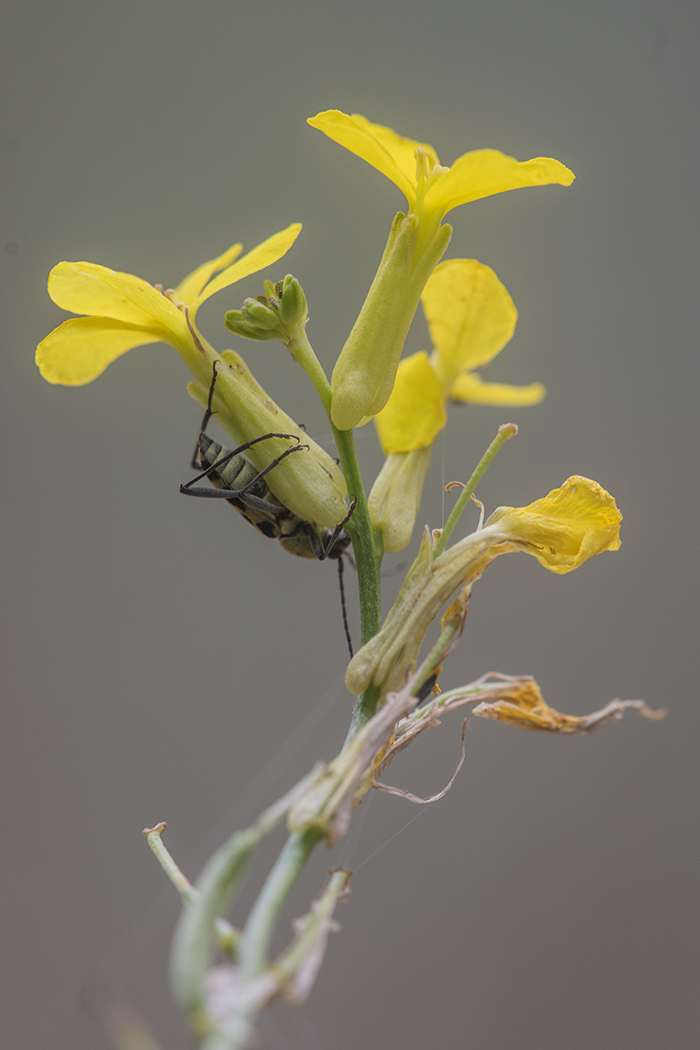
(236, 480)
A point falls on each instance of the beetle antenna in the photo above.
(343, 605)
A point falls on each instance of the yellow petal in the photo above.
(381, 147)
(471, 389)
(189, 288)
(484, 172)
(470, 314)
(564, 528)
(415, 413)
(264, 255)
(86, 288)
(80, 349)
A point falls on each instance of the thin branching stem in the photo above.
(261, 921)
(508, 430)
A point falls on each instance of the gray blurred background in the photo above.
(164, 662)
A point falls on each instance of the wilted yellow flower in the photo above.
(562, 530)
(566, 527)
(523, 706)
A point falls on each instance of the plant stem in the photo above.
(301, 350)
(365, 708)
(506, 431)
(434, 656)
(258, 930)
(227, 935)
(368, 564)
(360, 529)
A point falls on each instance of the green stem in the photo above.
(365, 707)
(506, 431)
(301, 350)
(227, 935)
(261, 921)
(360, 529)
(434, 656)
(180, 881)
(368, 561)
(216, 888)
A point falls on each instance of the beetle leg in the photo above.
(196, 460)
(187, 489)
(326, 551)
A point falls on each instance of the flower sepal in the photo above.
(309, 482)
(395, 497)
(364, 374)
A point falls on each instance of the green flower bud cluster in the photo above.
(276, 315)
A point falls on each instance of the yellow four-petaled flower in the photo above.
(125, 311)
(431, 189)
(364, 374)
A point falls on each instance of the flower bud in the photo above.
(276, 315)
(239, 322)
(293, 309)
(396, 494)
(261, 312)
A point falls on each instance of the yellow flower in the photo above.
(364, 374)
(471, 317)
(431, 189)
(125, 311)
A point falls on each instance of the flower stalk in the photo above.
(505, 432)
